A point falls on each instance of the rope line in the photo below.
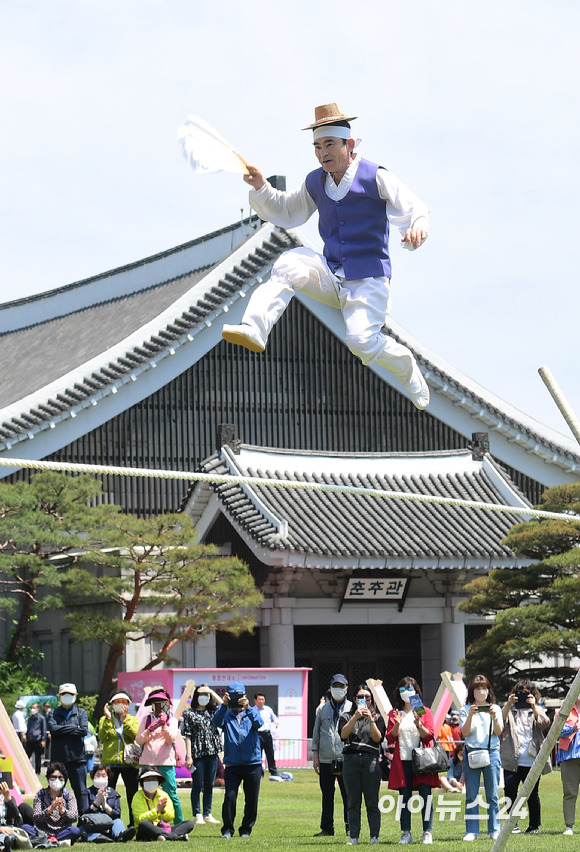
(253, 481)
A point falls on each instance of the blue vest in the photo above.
(355, 231)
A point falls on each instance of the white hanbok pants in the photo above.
(364, 304)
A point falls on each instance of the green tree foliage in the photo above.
(40, 521)
(165, 587)
(536, 609)
(121, 578)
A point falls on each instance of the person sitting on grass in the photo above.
(153, 810)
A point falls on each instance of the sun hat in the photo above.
(328, 114)
(157, 695)
(150, 772)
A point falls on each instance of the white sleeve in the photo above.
(404, 208)
(285, 209)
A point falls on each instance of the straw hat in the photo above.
(328, 114)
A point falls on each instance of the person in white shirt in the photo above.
(19, 721)
(357, 202)
(271, 722)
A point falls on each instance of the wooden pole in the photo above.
(574, 691)
(560, 401)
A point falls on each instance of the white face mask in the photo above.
(100, 781)
(406, 695)
(33, 711)
(56, 784)
(118, 709)
(337, 694)
(480, 694)
(203, 700)
(67, 700)
(150, 786)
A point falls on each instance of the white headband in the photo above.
(332, 130)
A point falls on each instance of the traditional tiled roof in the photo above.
(67, 350)
(335, 530)
(51, 368)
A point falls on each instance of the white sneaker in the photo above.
(210, 818)
(418, 390)
(374, 841)
(569, 831)
(469, 836)
(244, 335)
(405, 838)
(352, 842)
(427, 837)
(199, 820)
(494, 835)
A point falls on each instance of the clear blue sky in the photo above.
(474, 106)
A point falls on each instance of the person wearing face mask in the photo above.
(153, 810)
(202, 746)
(55, 809)
(242, 757)
(158, 732)
(524, 721)
(362, 729)
(408, 729)
(68, 725)
(481, 724)
(35, 735)
(102, 822)
(327, 749)
(118, 728)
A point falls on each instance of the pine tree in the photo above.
(536, 609)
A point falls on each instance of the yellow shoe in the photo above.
(244, 335)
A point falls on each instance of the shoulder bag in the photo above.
(430, 761)
(478, 758)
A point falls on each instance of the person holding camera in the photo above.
(118, 728)
(524, 720)
(202, 746)
(242, 757)
(481, 723)
(327, 749)
(362, 729)
(410, 725)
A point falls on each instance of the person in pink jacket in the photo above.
(407, 729)
(157, 734)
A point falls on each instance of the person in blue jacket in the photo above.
(242, 757)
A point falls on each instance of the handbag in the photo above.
(96, 822)
(131, 754)
(430, 761)
(478, 758)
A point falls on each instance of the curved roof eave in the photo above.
(142, 362)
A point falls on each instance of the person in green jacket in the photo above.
(117, 728)
(153, 810)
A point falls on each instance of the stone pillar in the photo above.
(452, 646)
(205, 653)
(281, 635)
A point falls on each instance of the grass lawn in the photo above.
(289, 816)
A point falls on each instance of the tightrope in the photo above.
(265, 482)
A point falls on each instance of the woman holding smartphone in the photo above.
(481, 727)
(524, 720)
(362, 730)
(408, 727)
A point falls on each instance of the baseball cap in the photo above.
(67, 688)
(236, 690)
(339, 678)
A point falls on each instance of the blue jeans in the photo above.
(491, 784)
(202, 779)
(116, 829)
(424, 791)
